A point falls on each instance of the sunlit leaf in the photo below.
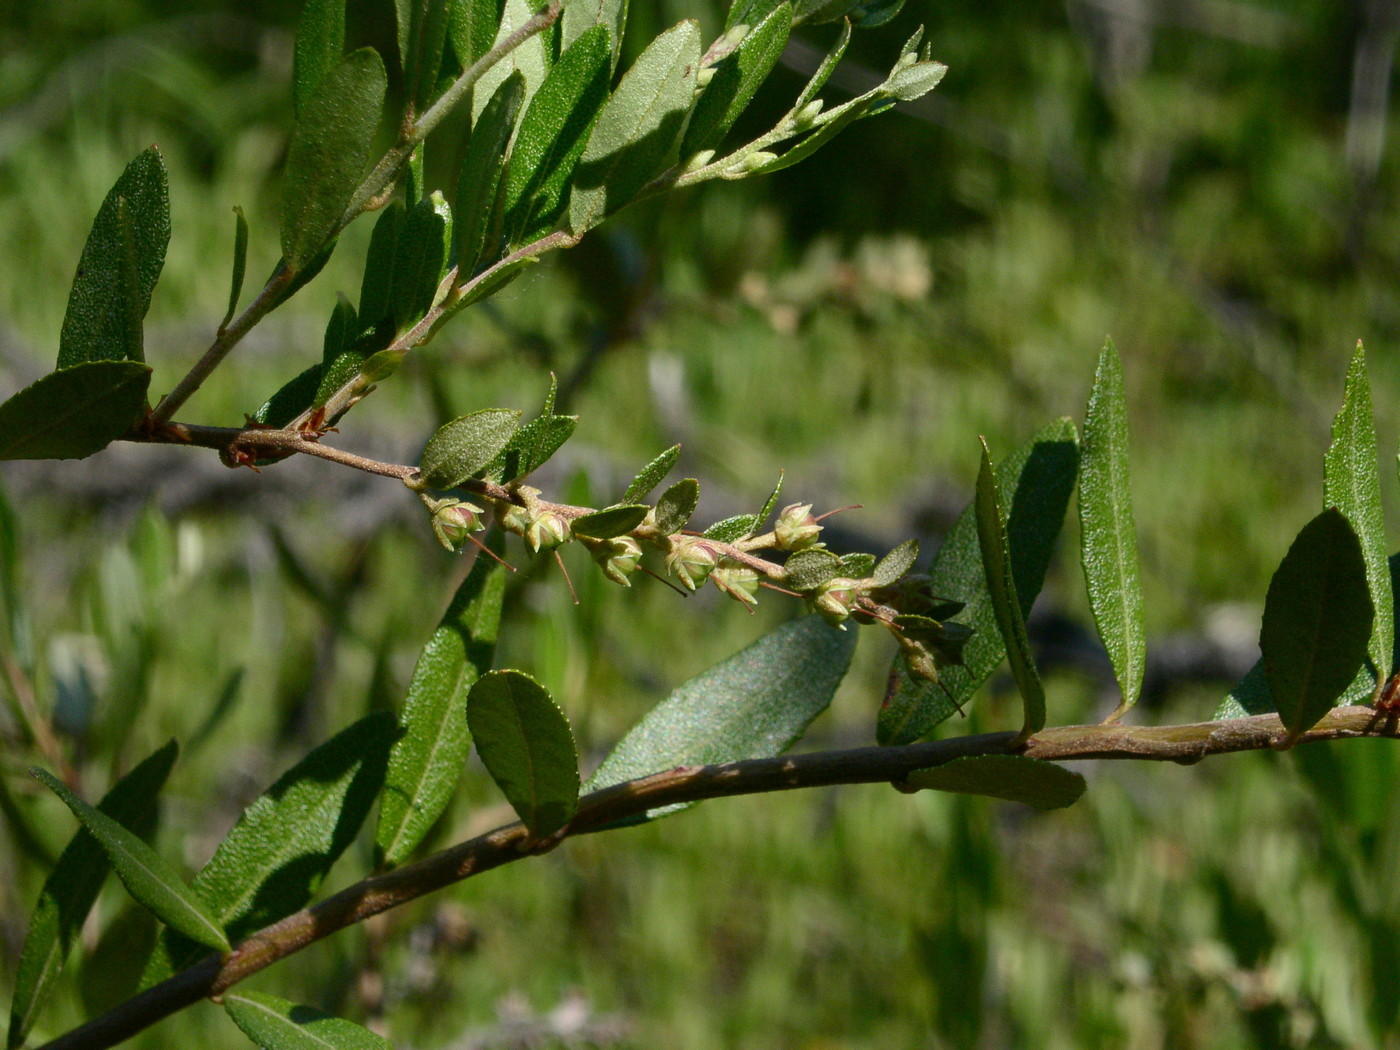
(1014, 778)
(471, 27)
(828, 66)
(74, 412)
(896, 563)
(320, 40)
(582, 15)
(466, 445)
(735, 80)
(676, 505)
(424, 250)
(530, 59)
(276, 1024)
(732, 529)
(651, 475)
(809, 569)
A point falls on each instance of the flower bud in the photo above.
(808, 113)
(738, 581)
(698, 160)
(796, 529)
(618, 557)
(691, 561)
(546, 531)
(705, 75)
(454, 521)
(512, 518)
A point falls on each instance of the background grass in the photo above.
(1177, 175)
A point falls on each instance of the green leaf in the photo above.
(736, 79)
(463, 447)
(771, 502)
(294, 397)
(1039, 476)
(676, 505)
(471, 28)
(148, 878)
(478, 185)
(755, 704)
(328, 152)
(650, 476)
(1317, 621)
(748, 12)
(894, 565)
(305, 275)
(1014, 778)
(276, 1024)
(636, 134)
(827, 67)
(378, 282)
(1352, 484)
(240, 265)
(732, 529)
(275, 857)
(72, 886)
(530, 59)
(807, 570)
(424, 248)
(75, 411)
(582, 15)
(814, 141)
(553, 134)
(500, 277)
(340, 359)
(1107, 536)
(610, 522)
(426, 40)
(531, 446)
(857, 566)
(119, 267)
(319, 42)
(873, 13)
(524, 740)
(916, 80)
(1006, 605)
(427, 760)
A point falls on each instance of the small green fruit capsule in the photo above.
(691, 561)
(513, 519)
(618, 558)
(796, 529)
(738, 581)
(453, 522)
(546, 531)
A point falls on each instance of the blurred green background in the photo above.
(1209, 181)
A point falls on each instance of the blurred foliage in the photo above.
(1208, 181)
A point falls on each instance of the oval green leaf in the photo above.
(523, 738)
(426, 761)
(320, 40)
(1107, 535)
(75, 411)
(1015, 778)
(610, 522)
(676, 505)
(582, 15)
(736, 79)
(149, 879)
(896, 563)
(729, 530)
(328, 153)
(466, 445)
(479, 182)
(276, 1024)
(807, 570)
(1317, 621)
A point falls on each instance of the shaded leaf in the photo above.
(276, 1024)
(896, 563)
(341, 356)
(294, 397)
(530, 59)
(75, 411)
(377, 283)
(676, 506)
(240, 265)
(827, 67)
(72, 887)
(148, 878)
(1014, 778)
(424, 249)
(1039, 476)
(426, 40)
(531, 447)
(427, 760)
(119, 267)
(479, 183)
(1352, 484)
(610, 522)
(320, 40)
(1317, 621)
(499, 278)
(636, 135)
(553, 134)
(466, 445)
(328, 152)
(735, 80)
(582, 15)
(807, 570)
(651, 475)
(471, 27)
(1107, 535)
(1006, 605)
(523, 738)
(755, 704)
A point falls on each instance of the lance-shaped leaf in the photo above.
(636, 134)
(72, 887)
(427, 760)
(1317, 621)
(471, 27)
(1006, 605)
(755, 704)
(735, 80)
(523, 738)
(611, 521)
(748, 12)
(1014, 778)
(651, 475)
(74, 412)
(424, 248)
(328, 153)
(275, 857)
(1107, 536)
(119, 267)
(552, 136)
(376, 286)
(828, 66)
(478, 185)
(530, 59)
(676, 505)
(582, 15)
(341, 354)
(427, 38)
(1352, 484)
(319, 42)
(240, 265)
(466, 445)
(1039, 478)
(276, 1024)
(731, 529)
(896, 563)
(148, 878)
(294, 397)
